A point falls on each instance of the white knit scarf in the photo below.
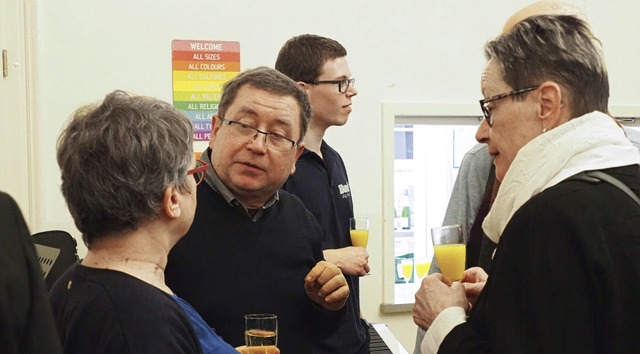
(591, 142)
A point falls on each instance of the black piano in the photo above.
(383, 341)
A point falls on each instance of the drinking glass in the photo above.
(359, 230)
(261, 330)
(407, 269)
(422, 267)
(449, 247)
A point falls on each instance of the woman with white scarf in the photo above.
(566, 273)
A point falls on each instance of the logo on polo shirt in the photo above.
(345, 191)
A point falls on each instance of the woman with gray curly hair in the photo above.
(128, 172)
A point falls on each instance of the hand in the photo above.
(473, 281)
(267, 349)
(326, 286)
(350, 260)
(436, 293)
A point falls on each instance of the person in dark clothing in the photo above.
(127, 169)
(475, 187)
(26, 321)
(565, 272)
(253, 248)
(319, 65)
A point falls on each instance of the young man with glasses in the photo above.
(253, 248)
(319, 65)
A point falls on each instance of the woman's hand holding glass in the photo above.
(437, 293)
(473, 282)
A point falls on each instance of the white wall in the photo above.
(13, 106)
(399, 51)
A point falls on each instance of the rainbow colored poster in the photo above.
(200, 68)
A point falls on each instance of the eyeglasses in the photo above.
(342, 84)
(198, 171)
(484, 103)
(273, 141)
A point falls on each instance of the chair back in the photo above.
(57, 250)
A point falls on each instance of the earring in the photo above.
(544, 130)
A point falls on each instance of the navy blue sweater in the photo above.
(228, 266)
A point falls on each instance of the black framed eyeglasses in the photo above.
(484, 103)
(273, 141)
(343, 85)
(198, 171)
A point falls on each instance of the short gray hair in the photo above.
(118, 157)
(557, 48)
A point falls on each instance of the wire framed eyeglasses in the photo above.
(273, 141)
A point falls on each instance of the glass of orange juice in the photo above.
(422, 267)
(407, 269)
(359, 230)
(449, 248)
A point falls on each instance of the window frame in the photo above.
(408, 113)
(444, 114)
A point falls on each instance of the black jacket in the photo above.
(26, 322)
(565, 277)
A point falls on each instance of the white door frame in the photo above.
(14, 119)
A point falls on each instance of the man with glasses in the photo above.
(319, 65)
(252, 248)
